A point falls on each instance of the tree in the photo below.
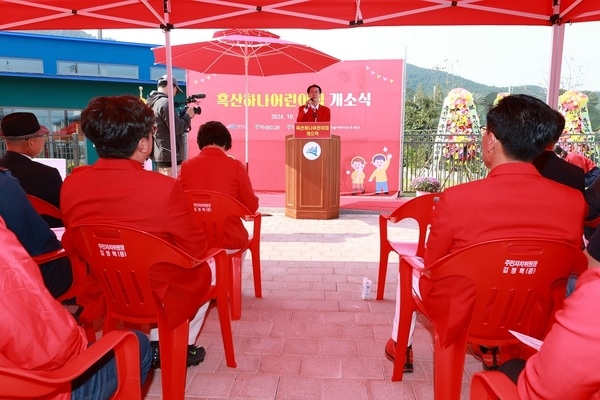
(422, 112)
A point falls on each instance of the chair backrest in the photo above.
(420, 209)
(210, 210)
(122, 260)
(513, 279)
(44, 208)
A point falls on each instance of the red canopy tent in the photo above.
(308, 14)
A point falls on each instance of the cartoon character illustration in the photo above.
(358, 176)
(381, 164)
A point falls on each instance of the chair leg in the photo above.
(407, 307)
(235, 287)
(173, 360)
(225, 322)
(384, 253)
(255, 251)
(448, 367)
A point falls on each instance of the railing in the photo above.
(67, 147)
(425, 153)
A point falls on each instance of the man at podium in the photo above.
(312, 111)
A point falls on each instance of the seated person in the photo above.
(512, 201)
(34, 234)
(592, 198)
(117, 190)
(213, 169)
(573, 340)
(25, 139)
(589, 168)
(553, 167)
(39, 334)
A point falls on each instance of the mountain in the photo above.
(427, 79)
(431, 82)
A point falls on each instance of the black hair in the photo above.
(560, 151)
(559, 127)
(524, 125)
(116, 124)
(312, 86)
(213, 133)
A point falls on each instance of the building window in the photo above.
(97, 69)
(158, 71)
(26, 65)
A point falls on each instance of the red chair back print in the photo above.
(419, 209)
(210, 210)
(479, 293)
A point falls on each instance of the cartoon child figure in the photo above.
(381, 164)
(358, 176)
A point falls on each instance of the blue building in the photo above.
(55, 76)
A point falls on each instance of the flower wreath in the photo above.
(460, 123)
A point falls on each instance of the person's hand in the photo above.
(190, 112)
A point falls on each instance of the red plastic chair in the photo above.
(26, 384)
(419, 209)
(505, 284)
(125, 260)
(210, 210)
(594, 223)
(78, 268)
(44, 208)
(492, 385)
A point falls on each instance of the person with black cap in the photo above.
(25, 139)
(158, 101)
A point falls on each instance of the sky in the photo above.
(493, 55)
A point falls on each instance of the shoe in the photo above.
(195, 355)
(489, 357)
(363, 191)
(155, 354)
(390, 354)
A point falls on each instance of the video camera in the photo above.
(191, 99)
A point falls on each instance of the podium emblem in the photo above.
(311, 150)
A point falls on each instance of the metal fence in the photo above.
(67, 147)
(426, 153)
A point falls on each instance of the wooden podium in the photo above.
(312, 176)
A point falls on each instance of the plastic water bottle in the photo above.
(366, 289)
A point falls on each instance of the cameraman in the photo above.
(158, 101)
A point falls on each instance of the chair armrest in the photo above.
(23, 383)
(256, 226)
(387, 217)
(493, 385)
(414, 262)
(50, 256)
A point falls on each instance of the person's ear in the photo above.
(144, 146)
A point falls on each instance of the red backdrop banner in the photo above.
(365, 99)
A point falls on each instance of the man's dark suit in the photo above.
(553, 167)
(36, 179)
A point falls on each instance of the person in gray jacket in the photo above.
(159, 102)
